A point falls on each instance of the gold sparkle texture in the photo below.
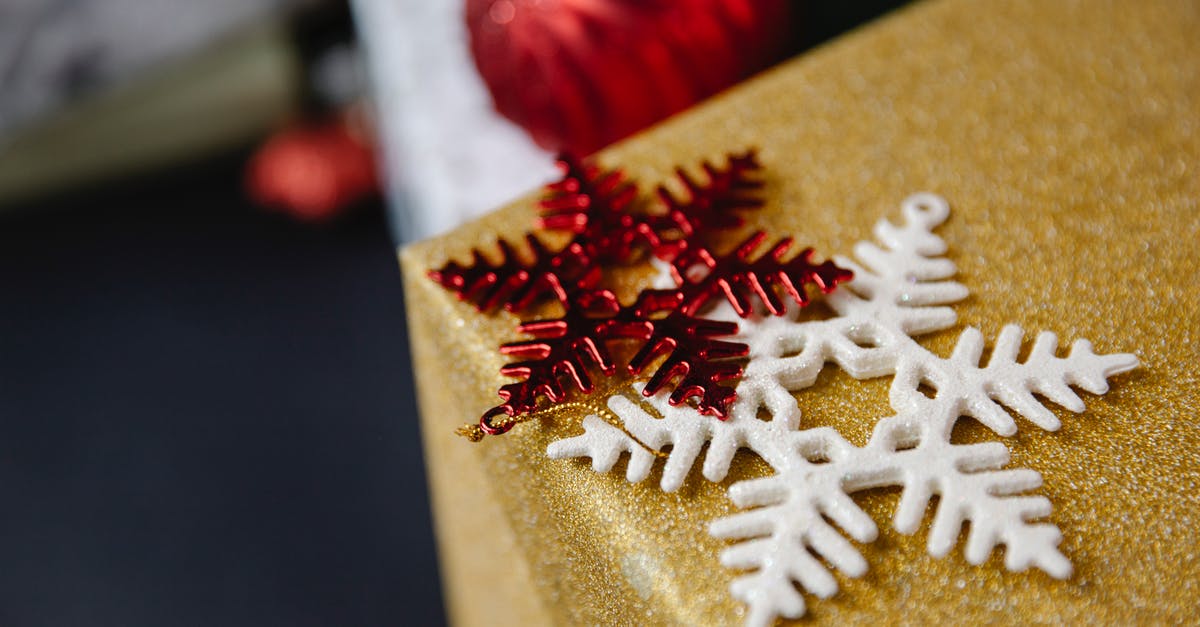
(1066, 136)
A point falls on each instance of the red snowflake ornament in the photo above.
(738, 278)
(515, 283)
(598, 207)
(712, 205)
(595, 205)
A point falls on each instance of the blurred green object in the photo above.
(226, 95)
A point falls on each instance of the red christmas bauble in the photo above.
(313, 170)
(580, 74)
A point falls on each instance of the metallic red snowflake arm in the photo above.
(692, 355)
(596, 205)
(698, 378)
(713, 205)
(585, 195)
(739, 279)
(562, 349)
(515, 283)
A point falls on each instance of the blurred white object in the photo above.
(447, 155)
(217, 98)
(52, 52)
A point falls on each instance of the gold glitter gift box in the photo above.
(1066, 137)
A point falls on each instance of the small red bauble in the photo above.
(313, 170)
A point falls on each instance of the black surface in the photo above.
(206, 415)
(818, 21)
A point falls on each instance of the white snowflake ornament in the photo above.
(901, 289)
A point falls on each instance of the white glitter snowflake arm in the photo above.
(813, 484)
(681, 427)
(777, 537)
(980, 391)
(900, 289)
(789, 522)
(903, 281)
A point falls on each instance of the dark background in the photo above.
(207, 413)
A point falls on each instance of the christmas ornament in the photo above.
(315, 169)
(580, 74)
(901, 290)
(596, 206)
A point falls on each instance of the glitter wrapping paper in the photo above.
(1066, 137)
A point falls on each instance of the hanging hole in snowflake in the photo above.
(930, 209)
(922, 205)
